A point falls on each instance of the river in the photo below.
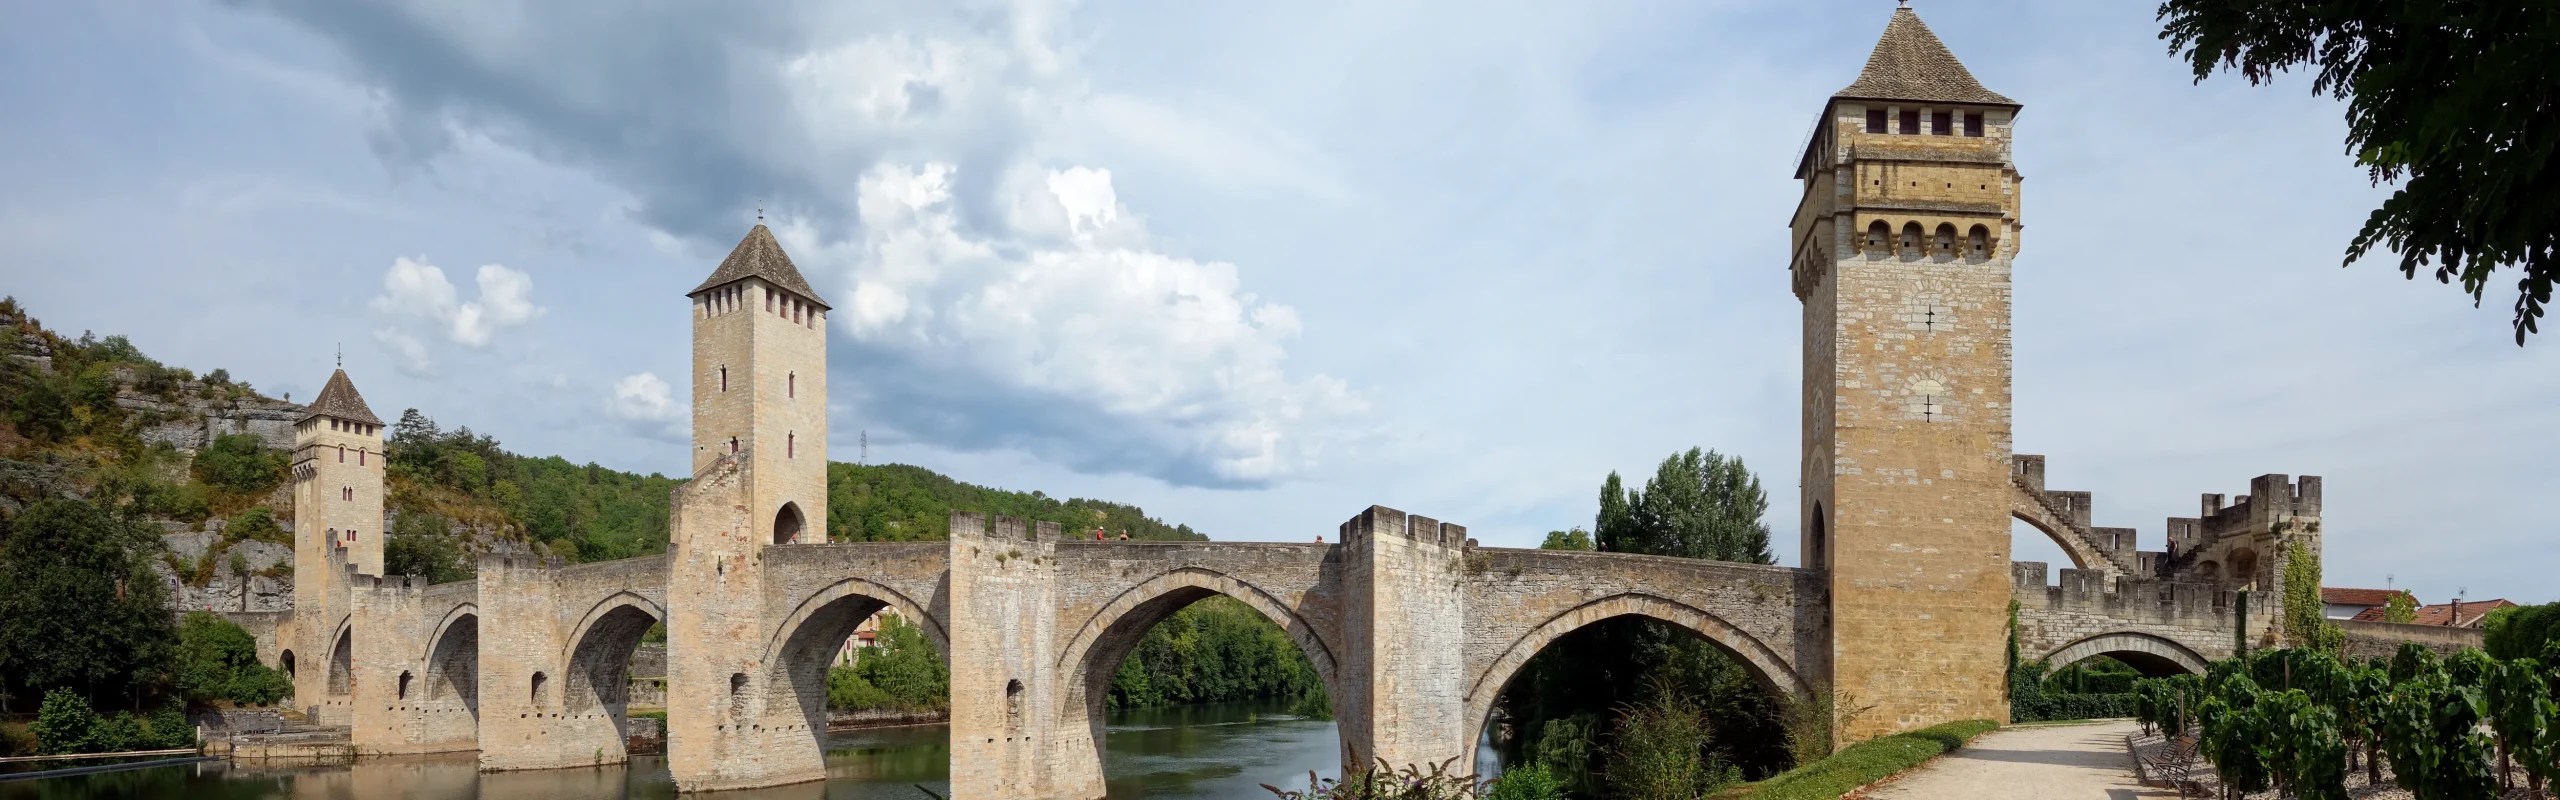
(1222, 751)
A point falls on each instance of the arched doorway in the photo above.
(284, 661)
(1285, 716)
(1562, 692)
(787, 524)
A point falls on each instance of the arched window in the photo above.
(733, 444)
(1946, 243)
(404, 685)
(1817, 556)
(1911, 237)
(342, 454)
(737, 694)
(787, 524)
(539, 695)
(1977, 242)
(1013, 704)
(284, 661)
(1877, 234)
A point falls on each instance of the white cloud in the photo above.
(1097, 348)
(419, 289)
(411, 354)
(649, 403)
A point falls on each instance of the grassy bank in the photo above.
(1862, 763)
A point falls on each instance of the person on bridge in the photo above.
(1124, 536)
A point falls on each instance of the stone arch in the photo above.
(1771, 669)
(1085, 667)
(2243, 566)
(342, 676)
(453, 659)
(1943, 241)
(600, 659)
(1910, 243)
(801, 649)
(2153, 656)
(1879, 237)
(284, 661)
(788, 523)
(2026, 507)
(1978, 242)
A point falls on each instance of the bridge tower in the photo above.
(759, 483)
(760, 385)
(337, 524)
(1901, 250)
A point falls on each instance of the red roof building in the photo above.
(2457, 614)
(2336, 603)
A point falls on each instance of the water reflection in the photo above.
(1220, 751)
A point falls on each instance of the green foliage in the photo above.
(2402, 608)
(1698, 504)
(1661, 751)
(421, 544)
(258, 524)
(2450, 102)
(1529, 782)
(1213, 651)
(1576, 539)
(901, 671)
(79, 607)
(217, 660)
(902, 503)
(586, 513)
(64, 724)
(2521, 631)
(2304, 627)
(2036, 697)
(1866, 762)
(241, 464)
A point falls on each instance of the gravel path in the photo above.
(2044, 762)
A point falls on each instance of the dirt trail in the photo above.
(2045, 762)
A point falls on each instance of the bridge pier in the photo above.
(393, 708)
(1405, 692)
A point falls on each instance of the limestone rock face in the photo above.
(228, 589)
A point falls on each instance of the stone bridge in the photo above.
(1412, 627)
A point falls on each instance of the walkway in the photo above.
(2042, 762)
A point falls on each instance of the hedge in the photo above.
(2055, 707)
(1865, 762)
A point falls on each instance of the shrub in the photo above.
(217, 660)
(1529, 782)
(1659, 751)
(240, 463)
(1382, 783)
(65, 724)
(1867, 762)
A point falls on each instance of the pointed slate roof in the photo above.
(759, 256)
(1909, 63)
(339, 399)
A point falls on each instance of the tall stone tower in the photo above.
(760, 385)
(337, 523)
(1901, 254)
(759, 483)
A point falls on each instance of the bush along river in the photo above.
(1224, 751)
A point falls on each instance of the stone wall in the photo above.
(2382, 639)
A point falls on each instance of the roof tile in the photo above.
(1909, 63)
(759, 256)
(339, 399)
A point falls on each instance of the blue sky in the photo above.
(1253, 268)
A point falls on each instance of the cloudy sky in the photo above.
(1253, 268)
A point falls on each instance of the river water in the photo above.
(1222, 751)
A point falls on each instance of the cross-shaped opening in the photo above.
(1928, 408)
(1931, 321)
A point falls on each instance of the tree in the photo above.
(2452, 100)
(217, 660)
(420, 545)
(2400, 608)
(79, 607)
(1576, 539)
(240, 463)
(1698, 504)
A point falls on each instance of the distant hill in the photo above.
(205, 457)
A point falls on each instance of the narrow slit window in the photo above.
(791, 385)
(342, 454)
(724, 379)
(790, 445)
